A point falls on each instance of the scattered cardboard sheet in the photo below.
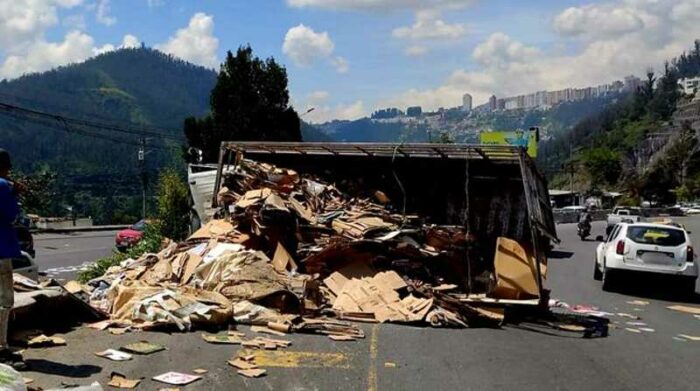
(222, 339)
(118, 380)
(73, 287)
(252, 373)
(685, 308)
(638, 302)
(282, 261)
(389, 364)
(266, 330)
(631, 330)
(516, 271)
(143, 347)
(342, 338)
(114, 355)
(690, 337)
(176, 378)
(239, 363)
(119, 330)
(200, 371)
(44, 341)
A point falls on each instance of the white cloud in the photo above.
(378, 4)
(499, 50)
(428, 25)
(317, 98)
(195, 43)
(304, 47)
(103, 13)
(76, 46)
(327, 113)
(130, 41)
(341, 64)
(24, 21)
(416, 51)
(600, 52)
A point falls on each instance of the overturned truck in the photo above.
(490, 203)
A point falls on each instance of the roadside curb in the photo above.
(82, 229)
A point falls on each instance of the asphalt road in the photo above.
(394, 357)
(61, 255)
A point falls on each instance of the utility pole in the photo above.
(142, 166)
(571, 180)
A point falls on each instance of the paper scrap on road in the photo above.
(685, 308)
(389, 364)
(239, 363)
(118, 380)
(689, 337)
(44, 341)
(143, 347)
(200, 371)
(631, 330)
(342, 337)
(647, 329)
(222, 339)
(638, 302)
(176, 378)
(114, 355)
(630, 316)
(257, 372)
(636, 324)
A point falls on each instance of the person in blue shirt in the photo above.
(9, 248)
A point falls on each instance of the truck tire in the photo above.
(608, 278)
(597, 274)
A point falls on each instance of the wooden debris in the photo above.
(118, 380)
(252, 373)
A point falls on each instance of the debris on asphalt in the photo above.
(200, 371)
(252, 373)
(389, 364)
(114, 355)
(239, 363)
(638, 302)
(42, 341)
(118, 380)
(647, 329)
(631, 330)
(176, 378)
(143, 348)
(685, 308)
(222, 339)
(690, 337)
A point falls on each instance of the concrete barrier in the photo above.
(63, 223)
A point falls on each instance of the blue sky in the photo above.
(349, 57)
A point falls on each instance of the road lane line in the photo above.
(372, 374)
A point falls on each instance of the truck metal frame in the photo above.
(492, 189)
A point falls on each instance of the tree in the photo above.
(603, 166)
(249, 102)
(173, 205)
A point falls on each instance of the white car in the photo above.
(26, 266)
(646, 247)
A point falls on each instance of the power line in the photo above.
(8, 108)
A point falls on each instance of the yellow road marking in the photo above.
(292, 359)
(372, 375)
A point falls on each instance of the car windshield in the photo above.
(656, 236)
(140, 226)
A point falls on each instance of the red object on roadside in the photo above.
(130, 237)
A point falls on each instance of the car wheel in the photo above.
(597, 274)
(607, 277)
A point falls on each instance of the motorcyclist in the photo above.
(584, 220)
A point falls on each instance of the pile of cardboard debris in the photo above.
(297, 254)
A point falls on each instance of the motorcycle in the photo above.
(584, 229)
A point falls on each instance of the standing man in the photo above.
(9, 248)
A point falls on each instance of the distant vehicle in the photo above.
(646, 247)
(574, 208)
(129, 237)
(26, 266)
(623, 214)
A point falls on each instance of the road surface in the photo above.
(395, 357)
(61, 255)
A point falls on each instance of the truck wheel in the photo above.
(607, 277)
(597, 274)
